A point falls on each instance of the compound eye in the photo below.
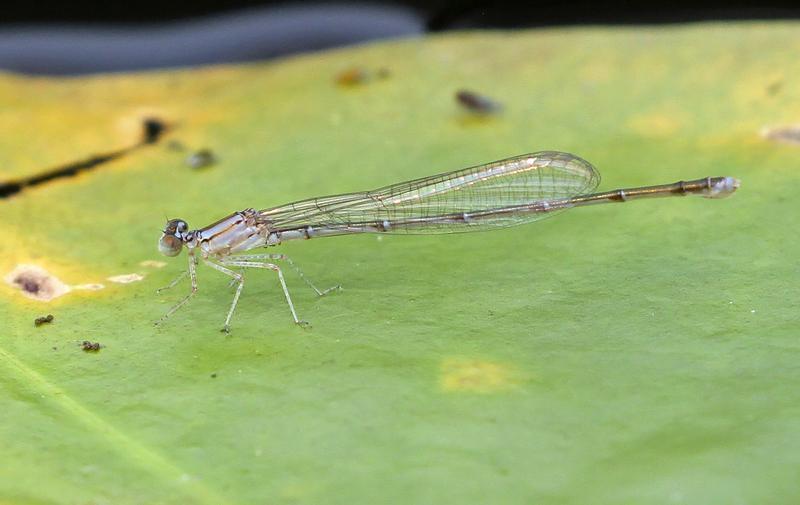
(170, 245)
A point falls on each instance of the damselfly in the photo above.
(495, 195)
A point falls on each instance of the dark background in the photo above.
(435, 14)
(84, 37)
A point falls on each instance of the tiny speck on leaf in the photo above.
(355, 76)
(201, 159)
(774, 88)
(89, 346)
(214, 375)
(352, 76)
(476, 103)
(43, 320)
(152, 128)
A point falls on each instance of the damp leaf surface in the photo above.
(637, 353)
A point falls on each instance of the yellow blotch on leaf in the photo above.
(477, 376)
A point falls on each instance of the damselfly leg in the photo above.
(283, 257)
(235, 262)
(238, 279)
(174, 282)
(193, 277)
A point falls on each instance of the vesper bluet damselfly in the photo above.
(494, 195)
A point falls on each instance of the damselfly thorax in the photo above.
(504, 193)
(239, 232)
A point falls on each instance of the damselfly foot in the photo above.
(331, 289)
(174, 282)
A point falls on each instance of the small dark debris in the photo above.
(153, 127)
(43, 320)
(214, 375)
(476, 103)
(55, 348)
(201, 159)
(352, 76)
(774, 88)
(88, 346)
(355, 76)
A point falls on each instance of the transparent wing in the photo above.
(504, 193)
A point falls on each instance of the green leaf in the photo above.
(643, 353)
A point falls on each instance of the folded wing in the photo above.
(504, 193)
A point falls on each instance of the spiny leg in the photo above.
(174, 282)
(234, 281)
(185, 300)
(237, 278)
(283, 257)
(255, 264)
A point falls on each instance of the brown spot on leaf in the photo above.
(28, 285)
(774, 88)
(352, 76)
(355, 76)
(36, 283)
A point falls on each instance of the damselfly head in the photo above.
(173, 237)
